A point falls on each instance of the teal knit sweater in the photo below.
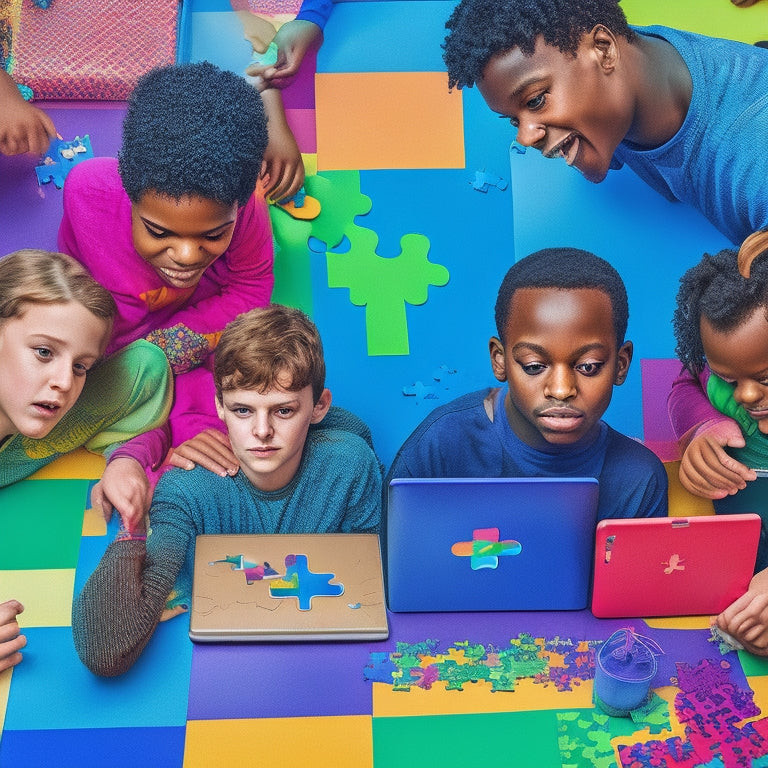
(337, 489)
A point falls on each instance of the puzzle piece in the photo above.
(61, 157)
(253, 571)
(484, 181)
(303, 584)
(341, 202)
(384, 285)
(420, 392)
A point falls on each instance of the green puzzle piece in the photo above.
(340, 202)
(383, 286)
(293, 269)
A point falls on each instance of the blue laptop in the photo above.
(490, 544)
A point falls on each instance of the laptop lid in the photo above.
(490, 544)
(673, 566)
(258, 587)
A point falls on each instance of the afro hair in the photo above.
(715, 289)
(564, 269)
(480, 29)
(193, 129)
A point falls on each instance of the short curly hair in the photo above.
(193, 129)
(715, 289)
(480, 29)
(564, 269)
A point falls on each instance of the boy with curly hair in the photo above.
(297, 475)
(685, 111)
(173, 230)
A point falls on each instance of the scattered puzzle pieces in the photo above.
(61, 157)
(303, 584)
(485, 549)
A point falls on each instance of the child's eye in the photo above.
(156, 233)
(537, 102)
(43, 353)
(80, 369)
(284, 411)
(532, 369)
(217, 236)
(589, 369)
(241, 411)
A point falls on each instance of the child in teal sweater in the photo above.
(294, 477)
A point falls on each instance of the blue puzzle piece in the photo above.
(61, 157)
(484, 181)
(303, 584)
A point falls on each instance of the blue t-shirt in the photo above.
(460, 439)
(717, 160)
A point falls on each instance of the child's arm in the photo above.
(23, 128)
(706, 469)
(11, 641)
(283, 169)
(120, 606)
(747, 618)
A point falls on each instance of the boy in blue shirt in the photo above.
(561, 316)
(295, 476)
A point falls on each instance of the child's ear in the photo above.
(603, 43)
(622, 364)
(496, 348)
(321, 407)
(220, 409)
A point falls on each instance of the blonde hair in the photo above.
(259, 347)
(32, 276)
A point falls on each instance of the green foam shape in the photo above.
(293, 268)
(716, 18)
(41, 522)
(340, 203)
(488, 740)
(384, 285)
(753, 666)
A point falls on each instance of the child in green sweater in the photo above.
(295, 477)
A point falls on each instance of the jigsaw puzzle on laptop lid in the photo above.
(258, 587)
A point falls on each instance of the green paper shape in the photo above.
(457, 741)
(340, 203)
(716, 18)
(384, 285)
(753, 666)
(293, 268)
(41, 522)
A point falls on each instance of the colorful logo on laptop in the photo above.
(485, 549)
(303, 584)
(675, 563)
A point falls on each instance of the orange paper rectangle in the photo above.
(388, 120)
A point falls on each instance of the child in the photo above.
(682, 110)
(55, 321)
(721, 328)
(270, 387)
(23, 127)
(172, 229)
(561, 316)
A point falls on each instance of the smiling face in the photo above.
(564, 106)
(740, 357)
(45, 353)
(561, 361)
(268, 430)
(180, 239)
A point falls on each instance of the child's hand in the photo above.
(11, 641)
(706, 470)
(746, 619)
(293, 40)
(210, 449)
(124, 487)
(283, 169)
(24, 128)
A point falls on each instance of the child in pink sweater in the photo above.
(173, 230)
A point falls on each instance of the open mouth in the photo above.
(568, 149)
(47, 408)
(181, 278)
